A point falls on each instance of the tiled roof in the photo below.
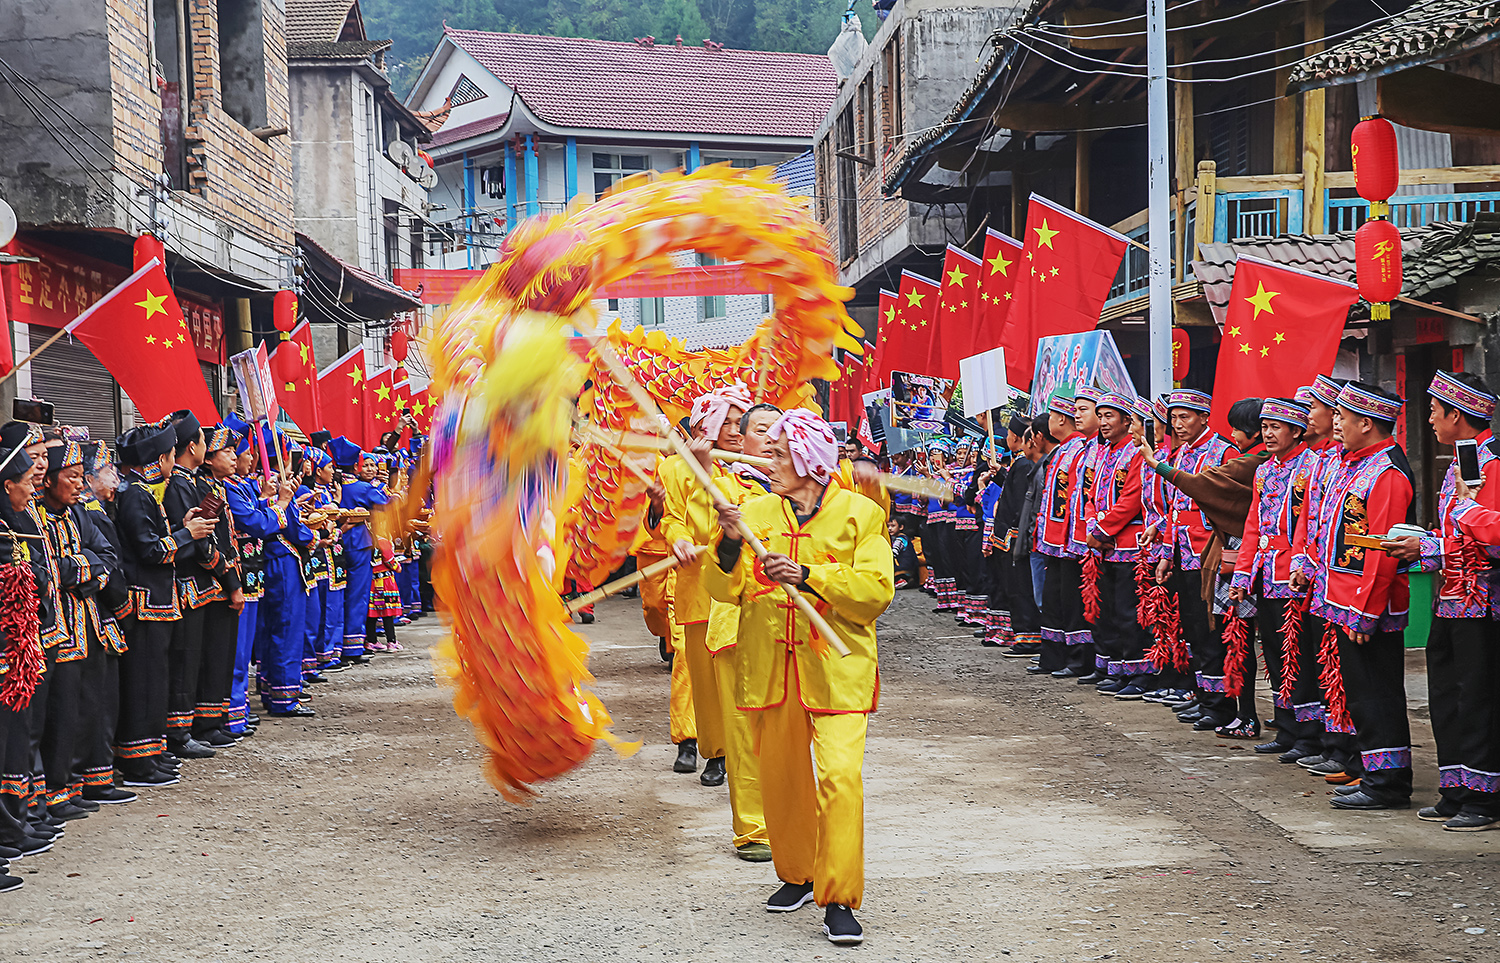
(365, 282)
(309, 21)
(449, 135)
(1329, 254)
(1424, 33)
(581, 83)
(1450, 251)
(335, 49)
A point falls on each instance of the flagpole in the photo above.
(1158, 211)
(22, 363)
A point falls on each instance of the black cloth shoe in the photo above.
(153, 779)
(1036, 670)
(687, 756)
(1271, 748)
(1328, 767)
(314, 677)
(1431, 814)
(587, 618)
(1024, 650)
(67, 811)
(1111, 686)
(1293, 755)
(108, 795)
(8, 853)
(1068, 673)
(840, 926)
(8, 882)
(218, 739)
(87, 805)
(190, 749)
(1093, 678)
(1362, 800)
(1240, 729)
(713, 772)
(1353, 787)
(1471, 823)
(661, 650)
(791, 896)
(1206, 723)
(1192, 715)
(300, 712)
(30, 846)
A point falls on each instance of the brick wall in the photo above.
(233, 175)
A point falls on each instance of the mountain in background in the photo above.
(802, 26)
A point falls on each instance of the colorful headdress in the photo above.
(1361, 402)
(97, 456)
(1088, 392)
(220, 437)
(144, 445)
(346, 454)
(1063, 405)
(1115, 400)
(1472, 401)
(1326, 390)
(1279, 409)
(62, 456)
(710, 410)
(1192, 399)
(814, 448)
(1160, 411)
(1142, 409)
(1304, 394)
(186, 425)
(317, 456)
(22, 434)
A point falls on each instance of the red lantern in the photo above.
(147, 247)
(1377, 170)
(1182, 354)
(284, 312)
(1377, 259)
(399, 346)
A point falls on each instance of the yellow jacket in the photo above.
(689, 514)
(648, 539)
(724, 617)
(850, 580)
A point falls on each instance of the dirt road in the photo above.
(1008, 818)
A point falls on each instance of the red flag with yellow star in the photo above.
(905, 342)
(422, 410)
(1066, 271)
(997, 282)
(137, 331)
(958, 310)
(296, 370)
(1282, 328)
(341, 397)
(380, 406)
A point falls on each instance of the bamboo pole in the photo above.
(24, 361)
(624, 582)
(626, 380)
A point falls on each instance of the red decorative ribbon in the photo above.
(1237, 644)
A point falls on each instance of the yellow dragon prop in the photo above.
(500, 442)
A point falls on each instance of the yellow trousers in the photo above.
(706, 707)
(655, 596)
(741, 762)
(816, 819)
(681, 716)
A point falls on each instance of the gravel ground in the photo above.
(1007, 818)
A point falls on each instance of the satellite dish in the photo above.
(8, 220)
(427, 177)
(401, 154)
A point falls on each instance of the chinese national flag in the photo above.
(137, 331)
(958, 309)
(997, 281)
(296, 371)
(341, 397)
(421, 409)
(380, 406)
(875, 375)
(906, 341)
(1282, 327)
(401, 399)
(1066, 271)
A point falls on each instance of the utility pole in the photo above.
(1157, 208)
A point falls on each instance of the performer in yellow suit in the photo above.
(656, 605)
(689, 518)
(740, 483)
(830, 543)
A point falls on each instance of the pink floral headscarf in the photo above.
(710, 410)
(814, 448)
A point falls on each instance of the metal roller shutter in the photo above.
(80, 389)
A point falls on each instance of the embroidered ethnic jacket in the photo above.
(1361, 589)
(851, 581)
(148, 549)
(1053, 523)
(1080, 492)
(964, 519)
(200, 561)
(1453, 551)
(255, 520)
(1188, 526)
(1116, 500)
(1307, 545)
(83, 558)
(1276, 503)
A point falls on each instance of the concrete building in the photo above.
(919, 62)
(359, 178)
(533, 121)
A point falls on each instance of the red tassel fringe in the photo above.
(1291, 650)
(20, 623)
(1091, 588)
(1236, 642)
(1332, 678)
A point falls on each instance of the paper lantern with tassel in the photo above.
(1377, 170)
(1377, 256)
(284, 312)
(399, 345)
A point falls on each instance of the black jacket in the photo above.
(149, 546)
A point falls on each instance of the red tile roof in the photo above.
(580, 83)
(449, 135)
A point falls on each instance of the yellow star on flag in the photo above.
(998, 264)
(357, 375)
(417, 408)
(890, 315)
(383, 392)
(302, 347)
(150, 339)
(1244, 349)
(1044, 235)
(1234, 332)
(1054, 272)
(1279, 337)
(153, 304)
(914, 299)
(957, 276)
(1264, 351)
(1261, 300)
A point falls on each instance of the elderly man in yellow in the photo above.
(830, 543)
(689, 521)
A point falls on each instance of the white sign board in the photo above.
(983, 378)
